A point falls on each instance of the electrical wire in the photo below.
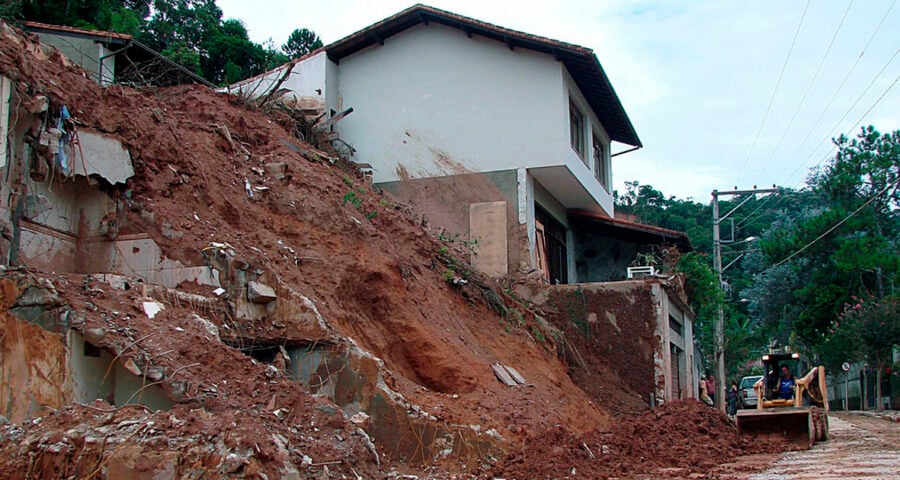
(812, 81)
(750, 216)
(835, 226)
(869, 110)
(774, 92)
(837, 91)
(855, 103)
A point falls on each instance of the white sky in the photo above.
(695, 77)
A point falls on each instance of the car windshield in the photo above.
(748, 382)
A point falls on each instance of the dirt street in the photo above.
(860, 447)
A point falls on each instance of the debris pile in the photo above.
(317, 313)
(673, 441)
(243, 306)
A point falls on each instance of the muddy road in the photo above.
(859, 447)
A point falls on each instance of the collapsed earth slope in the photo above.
(220, 183)
(399, 335)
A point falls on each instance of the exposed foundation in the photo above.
(45, 365)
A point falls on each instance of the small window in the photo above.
(600, 162)
(576, 130)
(676, 326)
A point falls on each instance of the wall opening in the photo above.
(97, 375)
(551, 243)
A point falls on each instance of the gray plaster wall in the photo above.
(92, 378)
(104, 378)
(599, 258)
(82, 51)
(444, 201)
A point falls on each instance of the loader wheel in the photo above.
(823, 424)
(817, 424)
(814, 426)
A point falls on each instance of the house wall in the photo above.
(432, 102)
(140, 256)
(62, 224)
(33, 374)
(624, 326)
(599, 258)
(612, 324)
(584, 168)
(82, 51)
(92, 377)
(445, 204)
(130, 388)
(333, 97)
(312, 83)
(5, 94)
(669, 388)
(551, 205)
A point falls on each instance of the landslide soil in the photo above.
(371, 269)
(368, 265)
(677, 440)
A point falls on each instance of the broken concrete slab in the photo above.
(132, 367)
(503, 375)
(515, 375)
(210, 327)
(276, 170)
(104, 156)
(260, 292)
(151, 308)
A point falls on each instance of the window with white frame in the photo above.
(600, 170)
(576, 131)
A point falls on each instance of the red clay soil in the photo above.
(369, 266)
(232, 403)
(372, 270)
(673, 441)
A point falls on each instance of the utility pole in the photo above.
(717, 266)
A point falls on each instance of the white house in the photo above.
(494, 134)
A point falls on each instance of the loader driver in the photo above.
(786, 383)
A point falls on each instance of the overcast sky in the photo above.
(696, 77)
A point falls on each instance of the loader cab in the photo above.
(772, 364)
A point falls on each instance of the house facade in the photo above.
(111, 57)
(498, 136)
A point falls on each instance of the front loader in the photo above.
(802, 419)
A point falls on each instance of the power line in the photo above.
(774, 92)
(838, 90)
(835, 226)
(869, 110)
(750, 217)
(806, 93)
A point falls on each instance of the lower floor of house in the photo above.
(515, 222)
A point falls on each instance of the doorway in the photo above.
(552, 255)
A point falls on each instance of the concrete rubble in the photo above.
(193, 296)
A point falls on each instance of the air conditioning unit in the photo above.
(638, 272)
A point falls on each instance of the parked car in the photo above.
(746, 394)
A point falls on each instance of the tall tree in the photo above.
(190, 32)
(300, 42)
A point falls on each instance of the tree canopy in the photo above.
(831, 244)
(190, 32)
(300, 42)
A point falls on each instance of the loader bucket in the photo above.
(795, 425)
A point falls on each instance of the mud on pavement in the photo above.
(859, 447)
